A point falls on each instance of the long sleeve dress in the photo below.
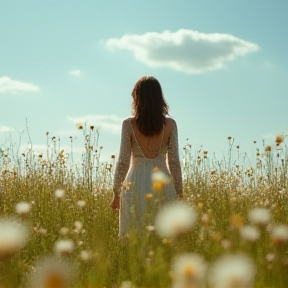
(133, 175)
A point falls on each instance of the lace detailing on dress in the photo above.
(124, 158)
(123, 163)
(173, 160)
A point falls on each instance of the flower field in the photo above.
(230, 230)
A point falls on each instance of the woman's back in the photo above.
(152, 146)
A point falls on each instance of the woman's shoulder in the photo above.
(127, 120)
(170, 122)
(126, 123)
(171, 125)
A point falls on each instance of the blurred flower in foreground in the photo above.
(188, 270)
(259, 216)
(78, 226)
(64, 247)
(22, 208)
(249, 233)
(175, 218)
(81, 203)
(126, 284)
(59, 193)
(159, 179)
(232, 271)
(279, 234)
(13, 236)
(51, 273)
(85, 255)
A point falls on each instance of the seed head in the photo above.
(279, 139)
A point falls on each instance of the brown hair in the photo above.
(149, 107)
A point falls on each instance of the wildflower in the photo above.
(40, 231)
(149, 196)
(270, 257)
(279, 139)
(268, 148)
(126, 284)
(51, 272)
(237, 221)
(229, 137)
(78, 226)
(206, 219)
(59, 193)
(188, 270)
(126, 185)
(279, 234)
(150, 228)
(249, 233)
(81, 203)
(200, 206)
(174, 219)
(259, 216)
(159, 179)
(92, 127)
(80, 126)
(13, 237)
(232, 271)
(23, 208)
(64, 231)
(64, 247)
(85, 255)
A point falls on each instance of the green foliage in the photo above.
(222, 192)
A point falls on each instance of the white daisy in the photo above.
(189, 270)
(232, 271)
(13, 236)
(174, 219)
(249, 233)
(259, 216)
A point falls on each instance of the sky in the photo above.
(222, 65)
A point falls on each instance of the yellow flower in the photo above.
(159, 179)
(237, 221)
(149, 196)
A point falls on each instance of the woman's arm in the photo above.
(173, 160)
(123, 162)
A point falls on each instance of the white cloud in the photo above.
(10, 85)
(110, 123)
(75, 72)
(184, 50)
(5, 129)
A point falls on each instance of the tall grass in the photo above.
(223, 192)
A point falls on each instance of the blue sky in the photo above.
(223, 67)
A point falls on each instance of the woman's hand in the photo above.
(115, 204)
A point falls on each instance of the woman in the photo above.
(147, 139)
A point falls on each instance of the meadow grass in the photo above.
(241, 211)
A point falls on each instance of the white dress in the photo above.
(133, 175)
